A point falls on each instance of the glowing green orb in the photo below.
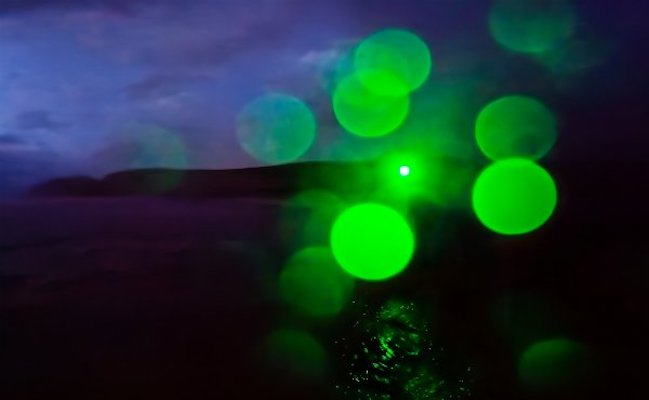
(371, 241)
(514, 196)
(296, 352)
(276, 128)
(398, 52)
(367, 113)
(554, 365)
(404, 170)
(515, 126)
(313, 283)
(531, 26)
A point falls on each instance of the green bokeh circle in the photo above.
(276, 128)
(514, 196)
(296, 352)
(313, 283)
(555, 364)
(531, 26)
(367, 113)
(372, 242)
(398, 52)
(515, 126)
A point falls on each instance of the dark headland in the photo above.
(270, 181)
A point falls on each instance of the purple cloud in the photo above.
(9, 139)
(17, 6)
(96, 68)
(35, 120)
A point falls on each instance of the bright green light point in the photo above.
(404, 170)
(514, 196)
(372, 242)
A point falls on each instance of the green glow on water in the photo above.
(514, 196)
(313, 283)
(372, 242)
(422, 386)
(555, 365)
(531, 26)
(402, 328)
(401, 53)
(296, 352)
(392, 355)
(366, 113)
(515, 126)
(276, 128)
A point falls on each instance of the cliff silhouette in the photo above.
(270, 181)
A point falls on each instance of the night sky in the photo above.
(80, 78)
(215, 287)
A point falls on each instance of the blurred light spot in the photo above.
(434, 178)
(554, 365)
(391, 186)
(296, 352)
(515, 126)
(531, 26)
(400, 53)
(276, 128)
(324, 209)
(340, 67)
(575, 56)
(382, 82)
(313, 283)
(522, 318)
(437, 120)
(448, 181)
(371, 241)
(307, 218)
(514, 196)
(156, 148)
(367, 113)
(159, 148)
